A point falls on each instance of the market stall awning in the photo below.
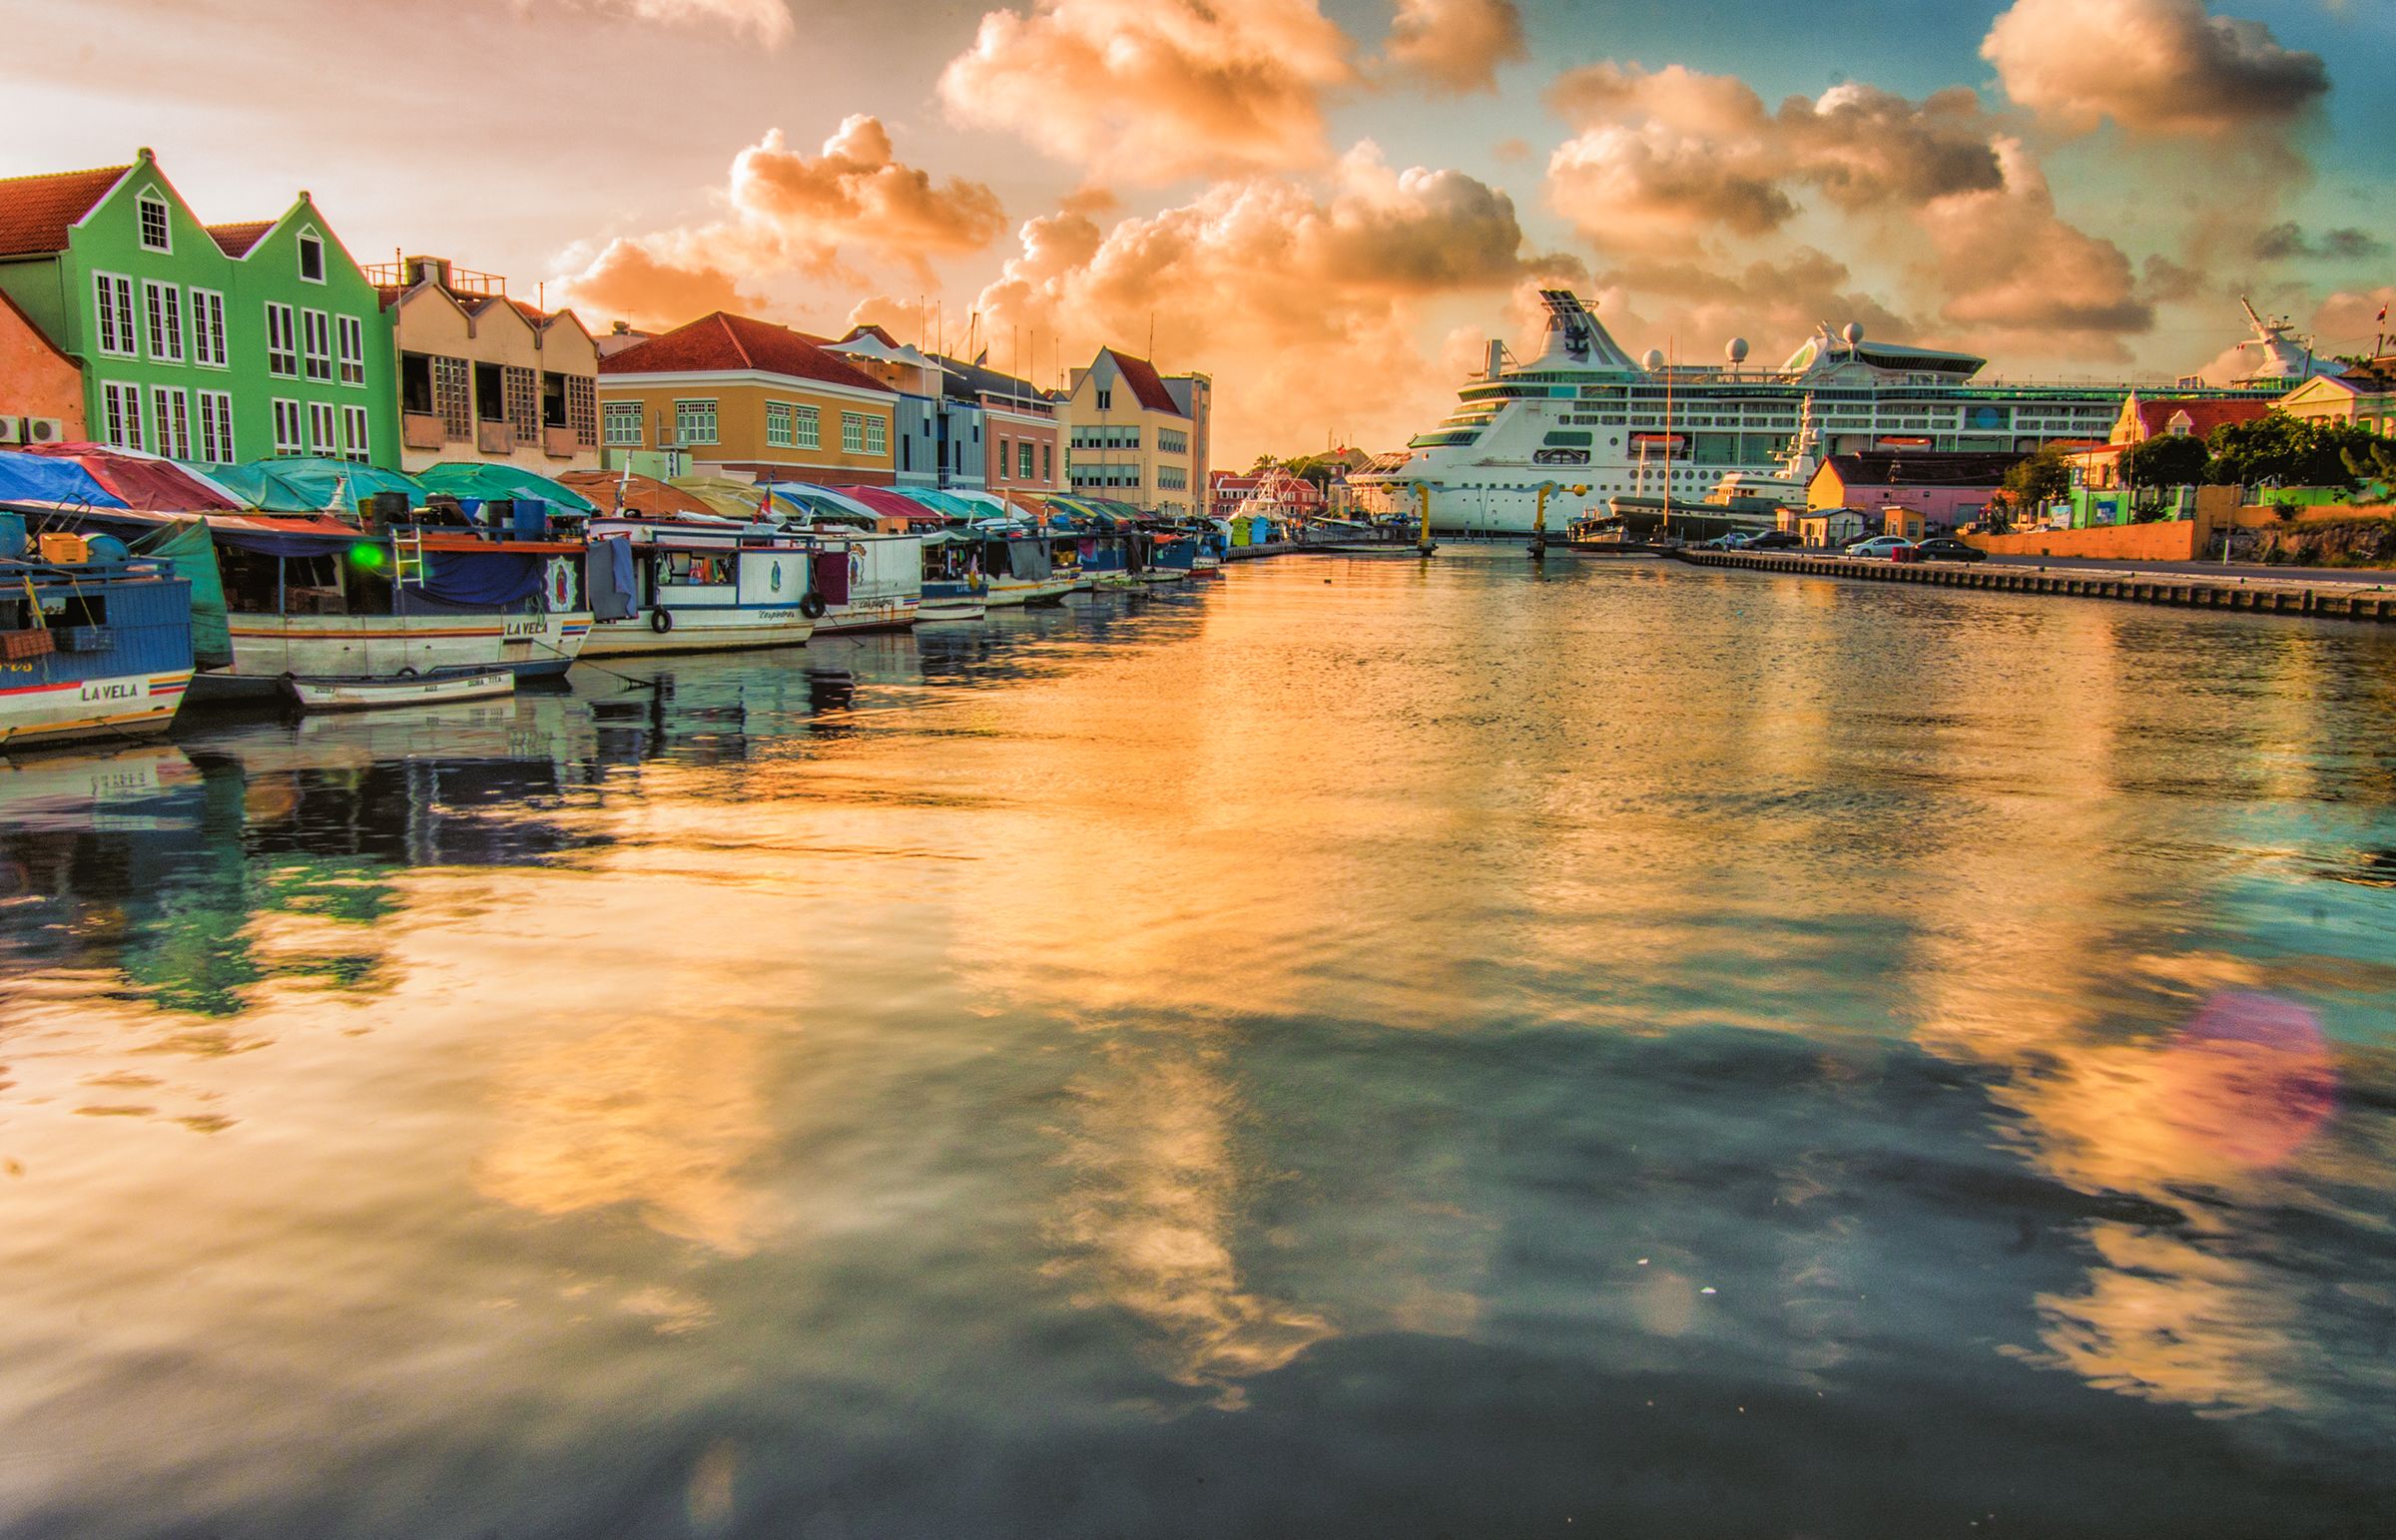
(482, 481)
(33, 478)
(642, 496)
(144, 481)
(311, 484)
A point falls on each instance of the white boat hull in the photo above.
(870, 615)
(1021, 591)
(127, 705)
(347, 694)
(935, 612)
(266, 647)
(701, 629)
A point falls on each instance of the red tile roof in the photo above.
(1150, 390)
(237, 239)
(724, 342)
(2203, 416)
(37, 211)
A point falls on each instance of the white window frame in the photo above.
(162, 317)
(780, 431)
(806, 427)
(282, 357)
(166, 223)
(119, 317)
(207, 329)
(349, 350)
(687, 413)
(358, 435)
(611, 413)
(290, 427)
(171, 421)
(214, 416)
(315, 346)
(120, 414)
(299, 257)
(853, 433)
(324, 429)
(878, 438)
(1023, 460)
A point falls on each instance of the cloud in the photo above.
(2155, 67)
(1769, 302)
(1276, 287)
(2283, 242)
(792, 213)
(1667, 156)
(2009, 264)
(1456, 46)
(1152, 91)
(766, 20)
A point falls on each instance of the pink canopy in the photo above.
(144, 481)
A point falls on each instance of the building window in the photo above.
(163, 303)
(1170, 442)
(357, 442)
(118, 339)
(287, 427)
(777, 425)
(1106, 400)
(1047, 462)
(312, 259)
(1023, 461)
(623, 422)
(582, 410)
(807, 425)
(320, 438)
(283, 341)
(853, 433)
(315, 344)
(121, 406)
(216, 427)
(353, 349)
(693, 423)
(521, 389)
(171, 421)
(1002, 458)
(453, 397)
(156, 233)
(207, 329)
(878, 438)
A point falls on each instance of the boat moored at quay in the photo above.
(1591, 424)
(92, 644)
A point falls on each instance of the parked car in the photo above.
(1880, 547)
(1944, 548)
(1729, 542)
(1775, 540)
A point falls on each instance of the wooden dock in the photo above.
(2263, 595)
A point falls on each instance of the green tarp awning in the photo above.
(463, 479)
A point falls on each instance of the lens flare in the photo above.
(369, 556)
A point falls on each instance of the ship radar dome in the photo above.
(1653, 362)
(1853, 334)
(1736, 352)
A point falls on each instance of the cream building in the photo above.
(2364, 395)
(486, 378)
(1136, 436)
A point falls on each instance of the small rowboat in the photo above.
(384, 691)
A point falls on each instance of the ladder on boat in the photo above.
(407, 558)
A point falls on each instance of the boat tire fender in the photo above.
(661, 621)
(812, 607)
(404, 670)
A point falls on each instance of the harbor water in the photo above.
(1357, 1048)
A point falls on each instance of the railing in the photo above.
(423, 430)
(559, 443)
(458, 280)
(495, 437)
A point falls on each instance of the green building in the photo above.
(213, 343)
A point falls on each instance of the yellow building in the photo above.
(1138, 437)
(749, 400)
(486, 378)
(2364, 395)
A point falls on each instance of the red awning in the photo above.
(142, 481)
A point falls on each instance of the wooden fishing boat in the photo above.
(384, 691)
(93, 645)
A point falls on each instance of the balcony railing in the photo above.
(495, 437)
(559, 443)
(423, 430)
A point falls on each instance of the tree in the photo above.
(1264, 463)
(2038, 480)
(2276, 448)
(2174, 460)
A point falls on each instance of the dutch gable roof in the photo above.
(37, 211)
(2155, 414)
(723, 342)
(237, 239)
(1146, 386)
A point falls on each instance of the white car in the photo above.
(1880, 547)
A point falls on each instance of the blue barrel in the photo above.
(108, 548)
(532, 518)
(12, 536)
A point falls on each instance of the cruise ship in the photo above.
(1593, 424)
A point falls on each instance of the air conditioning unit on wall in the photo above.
(12, 431)
(45, 430)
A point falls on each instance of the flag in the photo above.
(2383, 314)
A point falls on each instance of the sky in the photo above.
(1327, 205)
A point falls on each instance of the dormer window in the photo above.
(156, 233)
(1106, 400)
(312, 259)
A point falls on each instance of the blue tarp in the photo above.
(34, 478)
(472, 580)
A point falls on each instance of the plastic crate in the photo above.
(18, 644)
(86, 639)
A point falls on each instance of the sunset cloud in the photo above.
(2156, 67)
(793, 214)
(2007, 262)
(1456, 46)
(769, 21)
(1147, 92)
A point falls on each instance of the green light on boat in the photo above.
(373, 558)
